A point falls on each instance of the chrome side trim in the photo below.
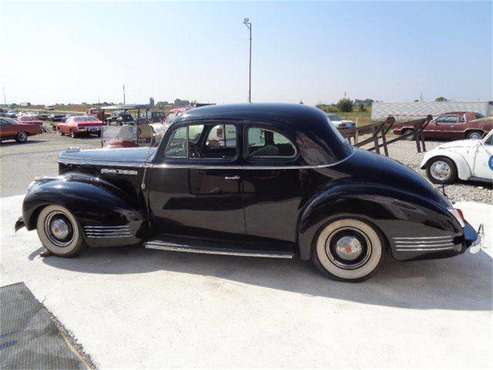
(187, 249)
(93, 231)
(423, 237)
(196, 165)
(424, 245)
(102, 163)
(403, 242)
(425, 249)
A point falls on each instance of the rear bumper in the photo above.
(417, 247)
(88, 129)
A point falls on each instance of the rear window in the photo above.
(263, 143)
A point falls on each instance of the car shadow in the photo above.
(13, 142)
(460, 283)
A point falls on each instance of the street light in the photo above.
(248, 24)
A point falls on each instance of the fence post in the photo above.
(375, 139)
(384, 140)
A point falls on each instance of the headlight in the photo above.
(457, 213)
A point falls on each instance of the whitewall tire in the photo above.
(348, 249)
(59, 231)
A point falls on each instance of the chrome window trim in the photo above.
(197, 165)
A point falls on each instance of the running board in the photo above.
(212, 248)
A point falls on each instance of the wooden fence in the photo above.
(378, 134)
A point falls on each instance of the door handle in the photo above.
(232, 178)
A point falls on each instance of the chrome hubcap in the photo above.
(440, 170)
(349, 248)
(58, 229)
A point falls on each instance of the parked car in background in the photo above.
(57, 117)
(340, 123)
(463, 159)
(78, 125)
(32, 120)
(10, 129)
(453, 126)
(258, 180)
(121, 118)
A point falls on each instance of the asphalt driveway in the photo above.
(137, 308)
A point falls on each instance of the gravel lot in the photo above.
(405, 152)
(20, 163)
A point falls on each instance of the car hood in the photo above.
(459, 144)
(120, 156)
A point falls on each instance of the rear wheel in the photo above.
(474, 135)
(348, 249)
(441, 170)
(59, 231)
(409, 131)
(21, 137)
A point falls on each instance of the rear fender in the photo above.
(393, 214)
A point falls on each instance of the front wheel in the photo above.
(59, 231)
(21, 137)
(441, 170)
(348, 249)
(474, 135)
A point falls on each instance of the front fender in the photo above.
(394, 213)
(93, 202)
(464, 171)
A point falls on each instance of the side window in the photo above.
(221, 136)
(462, 118)
(263, 143)
(208, 141)
(177, 145)
(447, 120)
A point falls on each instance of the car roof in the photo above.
(306, 126)
(298, 115)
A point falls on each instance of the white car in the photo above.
(339, 122)
(462, 159)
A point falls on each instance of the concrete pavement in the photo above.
(137, 308)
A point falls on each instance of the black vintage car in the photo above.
(264, 180)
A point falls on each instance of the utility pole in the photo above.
(123, 94)
(4, 96)
(248, 24)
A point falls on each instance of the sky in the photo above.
(315, 52)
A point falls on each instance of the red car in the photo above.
(78, 125)
(453, 126)
(30, 120)
(12, 130)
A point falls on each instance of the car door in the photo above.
(447, 127)
(7, 129)
(483, 162)
(194, 185)
(272, 183)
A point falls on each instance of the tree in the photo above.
(441, 98)
(345, 105)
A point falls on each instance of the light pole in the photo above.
(124, 94)
(248, 24)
